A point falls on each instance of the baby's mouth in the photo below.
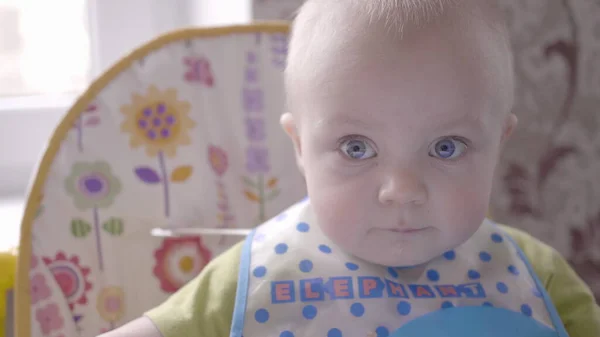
(410, 230)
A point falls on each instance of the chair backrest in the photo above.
(547, 182)
(182, 133)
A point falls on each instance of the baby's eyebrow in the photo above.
(461, 121)
(343, 120)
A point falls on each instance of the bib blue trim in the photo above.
(241, 297)
(474, 321)
(554, 316)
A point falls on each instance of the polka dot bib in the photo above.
(295, 282)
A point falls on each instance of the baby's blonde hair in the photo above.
(319, 23)
(395, 14)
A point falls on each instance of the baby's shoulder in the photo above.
(527, 242)
(542, 257)
(204, 306)
(573, 299)
(224, 266)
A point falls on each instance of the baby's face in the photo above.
(399, 146)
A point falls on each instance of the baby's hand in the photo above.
(141, 327)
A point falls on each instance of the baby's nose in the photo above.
(403, 187)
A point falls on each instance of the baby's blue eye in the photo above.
(448, 148)
(357, 149)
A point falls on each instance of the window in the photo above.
(40, 54)
(51, 50)
(44, 62)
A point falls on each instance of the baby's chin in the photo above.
(390, 249)
(396, 250)
(393, 257)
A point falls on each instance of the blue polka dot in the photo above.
(513, 270)
(473, 274)
(382, 331)
(281, 248)
(526, 310)
(404, 308)
(393, 272)
(306, 266)
(303, 227)
(309, 312)
(485, 256)
(447, 304)
(450, 255)
(334, 333)
(433, 275)
(286, 334)
(487, 304)
(502, 287)
(536, 293)
(357, 309)
(351, 266)
(261, 315)
(497, 238)
(325, 249)
(260, 271)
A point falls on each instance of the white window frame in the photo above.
(26, 123)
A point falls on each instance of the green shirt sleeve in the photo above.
(204, 307)
(572, 298)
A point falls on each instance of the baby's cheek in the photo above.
(338, 212)
(335, 209)
(333, 221)
(334, 198)
(467, 204)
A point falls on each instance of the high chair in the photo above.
(8, 264)
(166, 160)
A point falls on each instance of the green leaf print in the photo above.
(249, 182)
(80, 228)
(273, 194)
(114, 226)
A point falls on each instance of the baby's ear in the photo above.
(510, 123)
(290, 127)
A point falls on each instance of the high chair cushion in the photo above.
(182, 133)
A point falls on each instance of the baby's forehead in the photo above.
(391, 96)
(393, 118)
(324, 56)
(418, 78)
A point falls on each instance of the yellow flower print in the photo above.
(158, 121)
(161, 123)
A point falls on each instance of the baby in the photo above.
(398, 112)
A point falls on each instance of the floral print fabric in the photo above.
(180, 137)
